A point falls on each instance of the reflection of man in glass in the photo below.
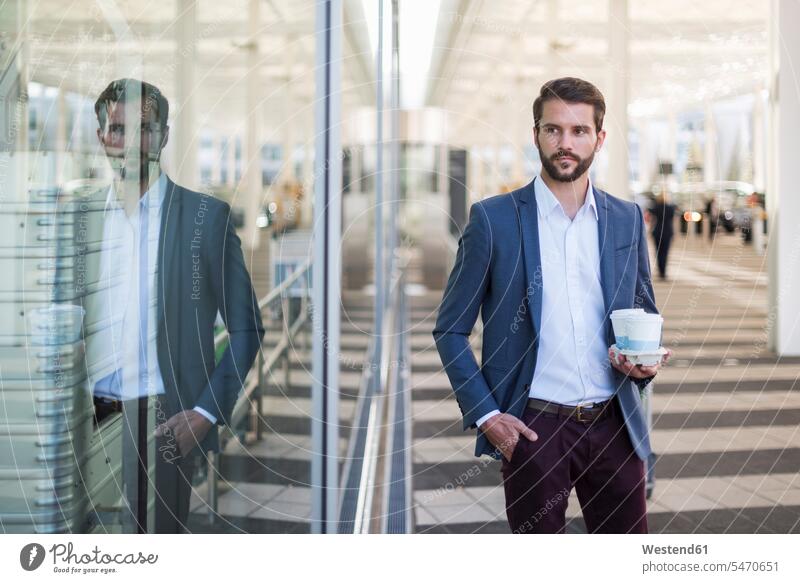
(170, 263)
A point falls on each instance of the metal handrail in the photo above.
(372, 453)
(251, 398)
(272, 296)
(367, 441)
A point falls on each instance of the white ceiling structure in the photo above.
(488, 60)
(492, 57)
(73, 46)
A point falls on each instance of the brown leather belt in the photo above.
(582, 413)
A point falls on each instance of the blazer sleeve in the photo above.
(645, 298)
(466, 289)
(237, 303)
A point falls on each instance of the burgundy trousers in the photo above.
(596, 458)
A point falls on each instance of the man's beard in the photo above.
(134, 173)
(555, 172)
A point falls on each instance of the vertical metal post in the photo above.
(379, 180)
(326, 276)
(395, 139)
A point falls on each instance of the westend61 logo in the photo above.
(66, 560)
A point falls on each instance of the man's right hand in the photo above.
(504, 431)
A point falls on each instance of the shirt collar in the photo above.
(546, 201)
(155, 194)
(152, 198)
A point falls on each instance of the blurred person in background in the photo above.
(663, 216)
(712, 216)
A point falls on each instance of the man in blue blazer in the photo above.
(545, 266)
(170, 263)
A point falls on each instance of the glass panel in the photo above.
(359, 269)
(156, 185)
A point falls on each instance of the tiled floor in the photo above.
(726, 414)
(264, 486)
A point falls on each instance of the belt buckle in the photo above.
(578, 409)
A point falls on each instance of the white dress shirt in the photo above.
(129, 287)
(572, 364)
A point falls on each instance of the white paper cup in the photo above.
(619, 320)
(644, 332)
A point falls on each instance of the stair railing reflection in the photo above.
(293, 312)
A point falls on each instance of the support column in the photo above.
(286, 174)
(672, 139)
(251, 159)
(784, 175)
(553, 57)
(710, 157)
(185, 129)
(308, 174)
(645, 156)
(617, 104)
(759, 142)
(520, 118)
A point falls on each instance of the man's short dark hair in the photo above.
(117, 91)
(571, 90)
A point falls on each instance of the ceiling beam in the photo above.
(445, 62)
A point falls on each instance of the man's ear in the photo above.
(100, 137)
(601, 137)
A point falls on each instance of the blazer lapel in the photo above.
(168, 245)
(530, 249)
(605, 236)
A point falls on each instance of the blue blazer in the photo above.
(498, 273)
(201, 271)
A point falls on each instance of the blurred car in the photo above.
(691, 200)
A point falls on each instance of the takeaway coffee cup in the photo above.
(619, 320)
(643, 332)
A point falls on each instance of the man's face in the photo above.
(132, 138)
(567, 139)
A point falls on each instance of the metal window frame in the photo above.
(326, 269)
